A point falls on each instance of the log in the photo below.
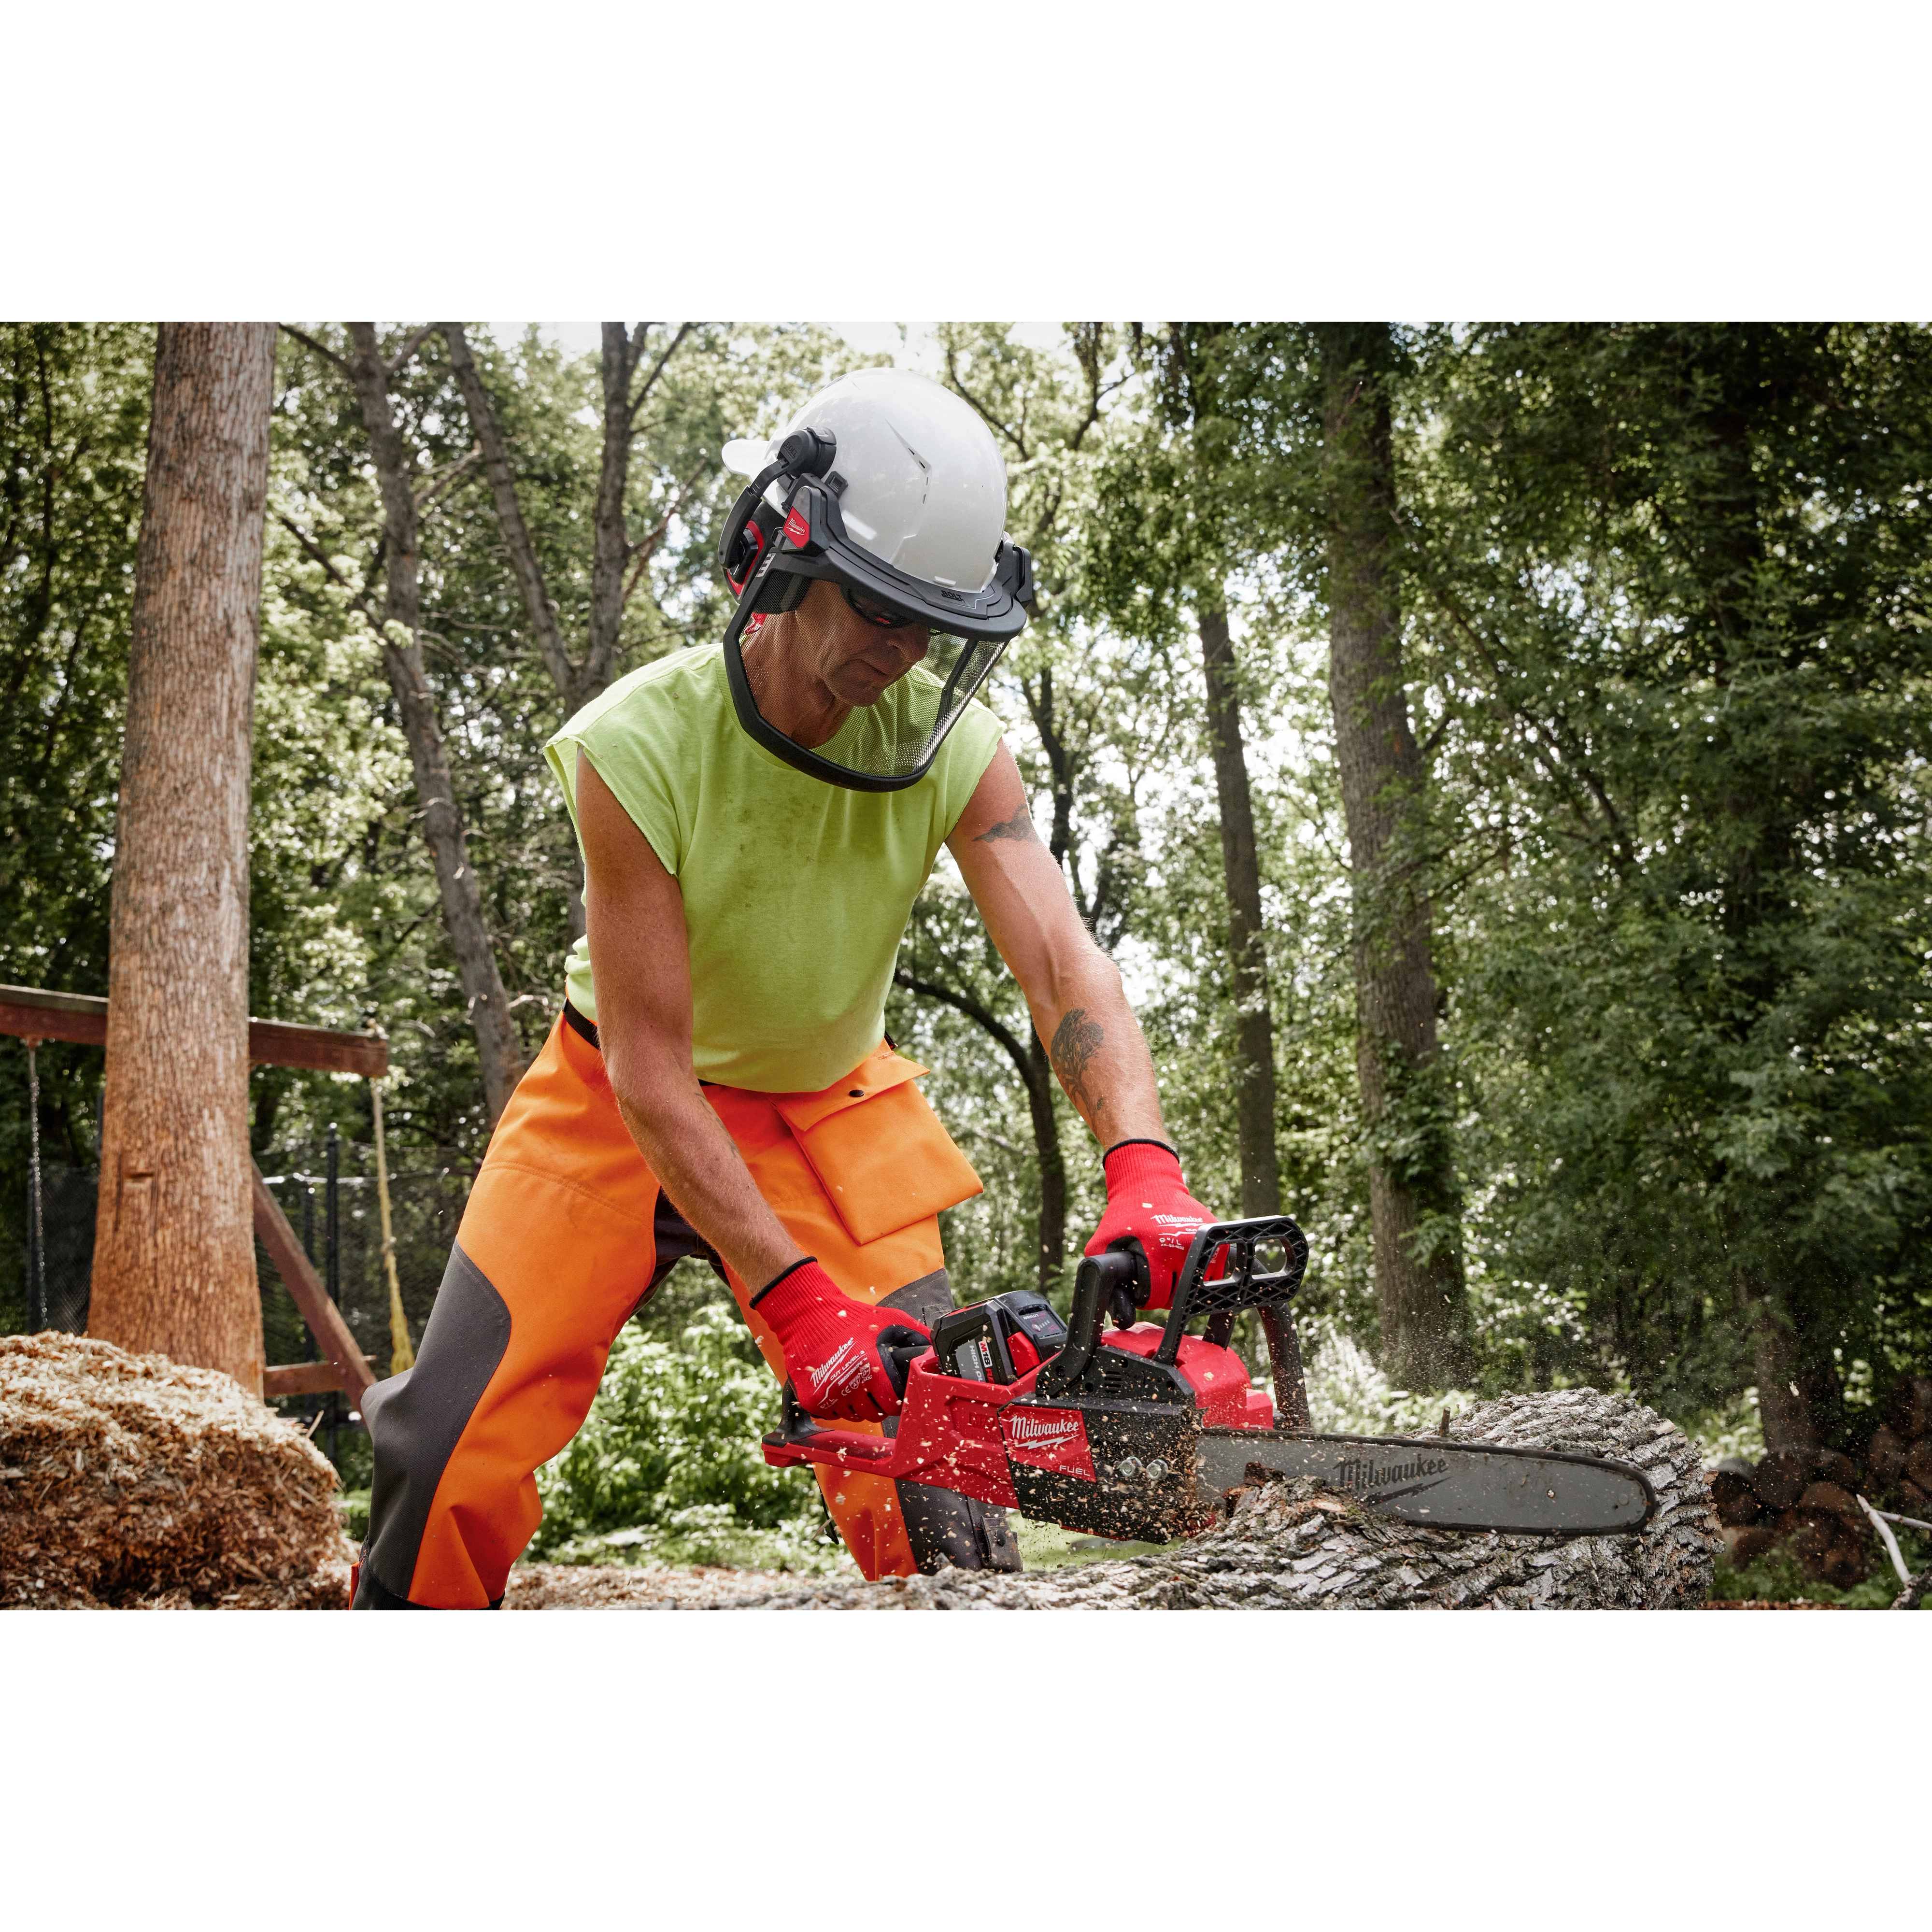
(1741, 1545)
(1829, 1466)
(1734, 1499)
(1886, 1456)
(1919, 1464)
(1780, 1479)
(1830, 1499)
(1909, 1411)
(1292, 1545)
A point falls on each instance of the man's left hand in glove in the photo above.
(1148, 1206)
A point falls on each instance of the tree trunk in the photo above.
(1291, 1546)
(1040, 1086)
(528, 571)
(1420, 1293)
(1785, 1405)
(1036, 1072)
(498, 1051)
(610, 544)
(1247, 945)
(174, 1256)
(577, 681)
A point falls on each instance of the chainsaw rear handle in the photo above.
(1093, 1286)
(898, 1358)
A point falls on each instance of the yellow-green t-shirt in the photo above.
(795, 892)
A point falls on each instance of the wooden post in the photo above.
(345, 1361)
(402, 1352)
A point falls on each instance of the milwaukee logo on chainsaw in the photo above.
(1048, 1438)
(1048, 1431)
(1368, 1479)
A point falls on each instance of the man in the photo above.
(756, 820)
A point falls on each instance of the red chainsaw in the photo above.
(1142, 1433)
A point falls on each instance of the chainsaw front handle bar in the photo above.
(1247, 1280)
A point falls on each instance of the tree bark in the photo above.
(1420, 1294)
(498, 1051)
(1247, 945)
(174, 1256)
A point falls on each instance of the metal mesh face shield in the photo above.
(771, 561)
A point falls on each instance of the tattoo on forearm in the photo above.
(1019, 826)
(1076, 1041)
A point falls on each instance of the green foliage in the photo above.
(1773, 1577)
(667, 1468)
(1348, 1394)
(1672, 584)
(73, 425)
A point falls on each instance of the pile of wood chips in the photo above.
(127, 1481)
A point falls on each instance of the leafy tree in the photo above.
(1675, 577)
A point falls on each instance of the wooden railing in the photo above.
(33, 1014)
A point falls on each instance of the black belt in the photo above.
(586, 1029)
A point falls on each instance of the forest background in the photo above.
(1493, 753)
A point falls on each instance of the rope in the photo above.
(402, 1353)
(37, 1245)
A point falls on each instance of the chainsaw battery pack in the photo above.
(999, 1340)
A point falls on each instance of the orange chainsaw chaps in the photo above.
(560, 1226)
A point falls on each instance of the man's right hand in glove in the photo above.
(832, 1343)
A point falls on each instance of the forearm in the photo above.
(1097, 1049)
(699, 1167)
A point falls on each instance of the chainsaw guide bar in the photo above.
(1440, 1484)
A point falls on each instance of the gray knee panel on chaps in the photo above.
(415, 1420)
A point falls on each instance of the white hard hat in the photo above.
(892, 487)
(925, 489)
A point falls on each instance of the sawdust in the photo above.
(128, 1481)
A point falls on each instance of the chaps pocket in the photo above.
(884, 1160)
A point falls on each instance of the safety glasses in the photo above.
(881, 616)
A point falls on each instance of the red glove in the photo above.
(832, 1343)
(1149, 1207)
